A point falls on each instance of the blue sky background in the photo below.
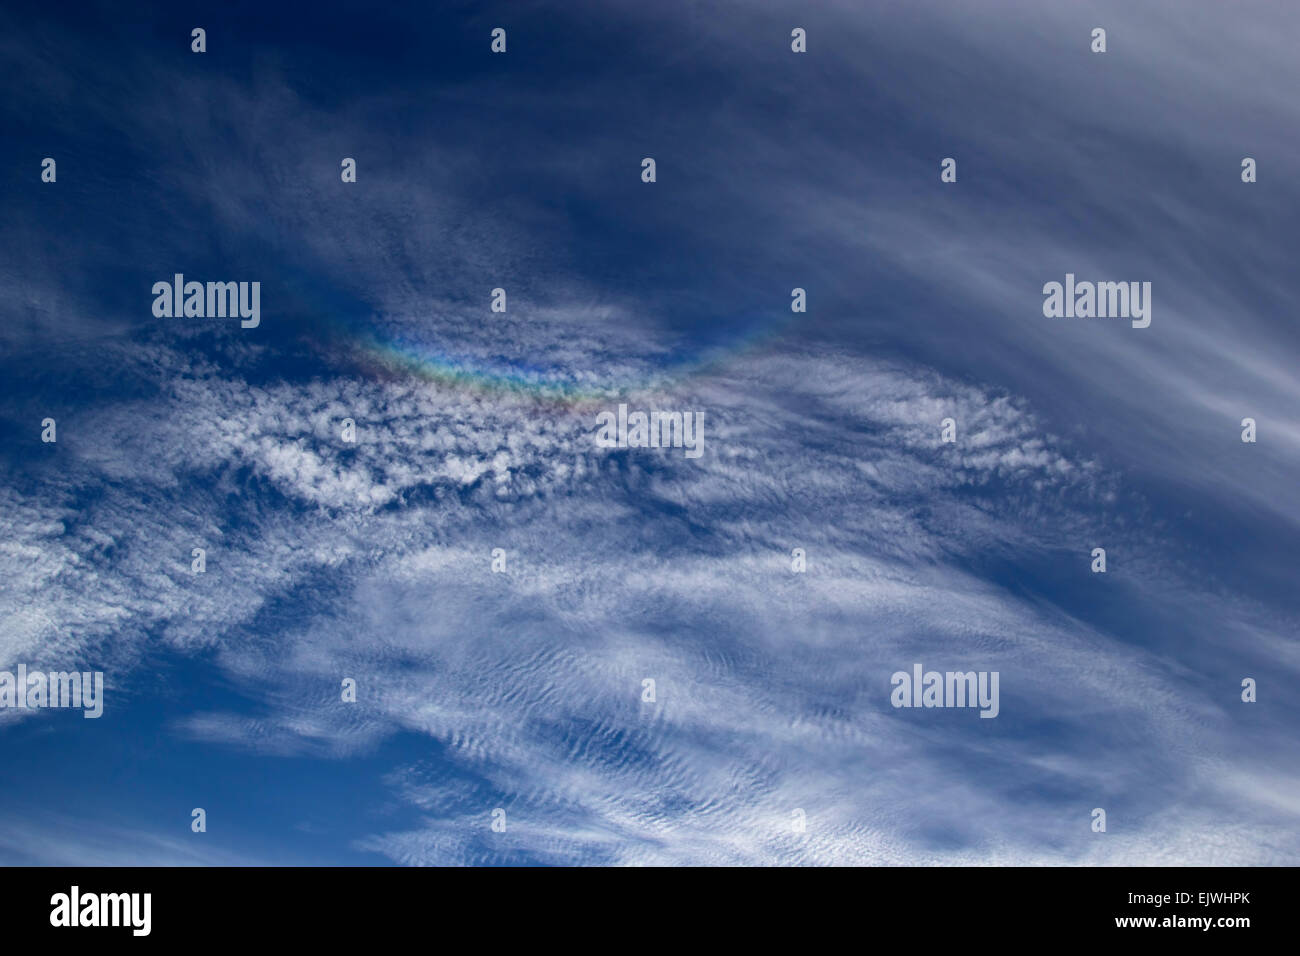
(476, 431)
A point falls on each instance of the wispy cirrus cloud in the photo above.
(371, 560)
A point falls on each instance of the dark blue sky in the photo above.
(372, 560)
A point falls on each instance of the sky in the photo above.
(501, 717)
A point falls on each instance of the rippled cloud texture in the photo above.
(523, 690)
